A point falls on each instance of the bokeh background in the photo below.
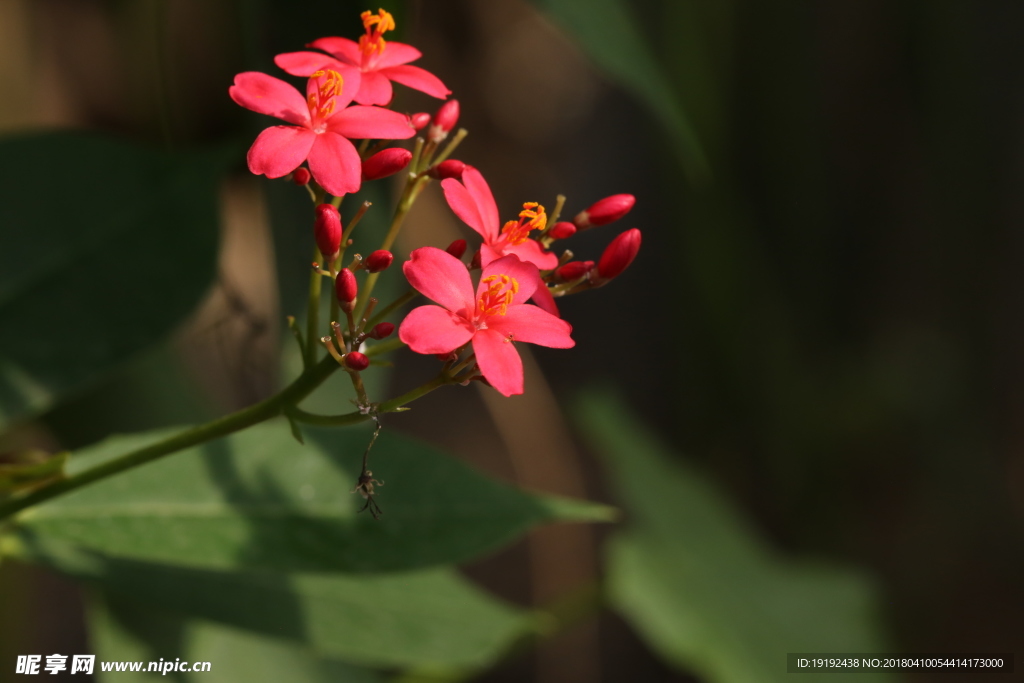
(825, 317)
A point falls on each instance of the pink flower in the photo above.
(322, 126)
(492, 318)
(474, 204)
(379, 61)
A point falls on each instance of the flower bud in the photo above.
(605, 211)
(420, 120)
(386, 162)
(346, 289)
(378, 261)
(382, 330)
(619, 254)
(457, 248)
(573, 270)
(444, 120)
(475, 263)
(301, 176)
(327, 231)
(562, 229)
(356, 361)
(449, 168)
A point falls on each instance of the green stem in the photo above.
(313, 312)
(260, 412)
(412, 190)
(387, 310)
(356, 417)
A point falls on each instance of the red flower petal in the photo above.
(531, 252)
(462, 203)
(499, 361)
(442, 278)
(375, 89)
(279, 150)
(335, 164)
(344, 49)
(542, 297)
(484, 198)
(417, 79)
(371, 122)
(305, 63)
(272, 96)
(397, 53)
(532, 325)
(432, 329)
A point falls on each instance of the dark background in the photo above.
(825, 313)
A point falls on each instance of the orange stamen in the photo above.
(495, 300)
(321, 102)
(532, 217)
(376, 25)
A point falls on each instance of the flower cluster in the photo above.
(472, 329)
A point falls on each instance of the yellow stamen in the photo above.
(495, 300)
(376, 25)
(322, 102)
(532, 217)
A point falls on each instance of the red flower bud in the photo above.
(386, 162)
(444, 120)
(419, 121)
(619, 254)
(382, 330)
(346, 289)
(573, 270)
(562, 229)
(301, 176)
(327, 231)
(449, 168)
(605, 211)
(378, 261)
(457, 248)
(356, 361)
(475, 263)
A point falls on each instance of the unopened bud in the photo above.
(327, 231)
(382, 330)
(605, 211)
(562, 230)
(449, 168)
(619, 254)
(573, 270)
(346, 289)
(475, 263)
(420, 120)
(444, 120)
(386, 162)
(301, 176)
(356, 361)
(378, 261)
(457, 248)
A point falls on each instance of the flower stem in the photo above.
(355, 417)
(229, 424)
(387, 310)
(313, 312)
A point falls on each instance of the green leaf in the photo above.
(259, 499)
(121, 630)
(104, 248)
(609, 33)
(700, 586)
(431, 617)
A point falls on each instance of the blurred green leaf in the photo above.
(699, 585)
(608, 32)
(123, 630)
(104, 248)
(259, 499)
(396, 620)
